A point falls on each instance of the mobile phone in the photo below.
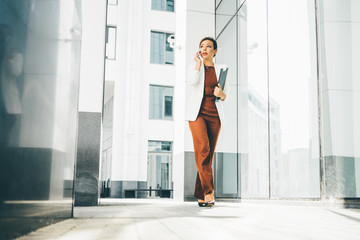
(199, 56)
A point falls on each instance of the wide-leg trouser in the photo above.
(205, 131)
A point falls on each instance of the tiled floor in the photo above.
(166, 219)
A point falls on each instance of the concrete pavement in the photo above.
(167, 219)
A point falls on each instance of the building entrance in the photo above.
(159, 175)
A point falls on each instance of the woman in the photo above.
(205, 114)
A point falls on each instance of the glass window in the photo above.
(294, 157)
(339, 35)
(158, 146)
(110, 42)
(160, 50)
(275, 122)
(163, 5)
(161, 102)
(159, 166)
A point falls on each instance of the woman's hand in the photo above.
(197, 57)
(197, 60)
(218, 92)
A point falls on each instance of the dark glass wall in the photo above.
(39, 78)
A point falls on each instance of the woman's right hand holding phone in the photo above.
(197, 57)
(197, 60)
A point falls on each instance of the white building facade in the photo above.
(139, 94)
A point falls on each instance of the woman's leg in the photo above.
(204, 180)
(205, 131)
(213, 130)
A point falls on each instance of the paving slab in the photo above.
(168, 219)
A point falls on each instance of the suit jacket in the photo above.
(195, 92)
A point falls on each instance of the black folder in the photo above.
(222, 79)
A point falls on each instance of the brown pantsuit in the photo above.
(205, 131)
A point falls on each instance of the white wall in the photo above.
(92, 56)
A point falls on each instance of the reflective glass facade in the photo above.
(294, 86)
(39, 83)
(339, 74)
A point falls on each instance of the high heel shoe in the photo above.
(210, 203)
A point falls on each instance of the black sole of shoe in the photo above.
(202, 204)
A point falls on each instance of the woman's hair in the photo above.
(210, 39)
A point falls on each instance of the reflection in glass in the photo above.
(226, 159)
(160, 50)
(292, 75)
(253, 100)
(339, 37)
(157, 47)
(275, 96)
(224, 12)
(39, 79)
(107, 138)
(169, 52)
(163, 5)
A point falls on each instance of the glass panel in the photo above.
(39, 90)
(170, 5)
(110, 42)
(156, 102)
(217, 2)
(168, 106)
(158, 146)
(253, 100)
(227, 167)
(166, 146)
(224, 13)
(293, 100)
(158, 5)
(168, 92)
(240, 3)
(169, 52)
(226, 150)
(339, 37)
(159, 172)
(108, 113)
(157, 47)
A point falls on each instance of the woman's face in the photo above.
(207, 49)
